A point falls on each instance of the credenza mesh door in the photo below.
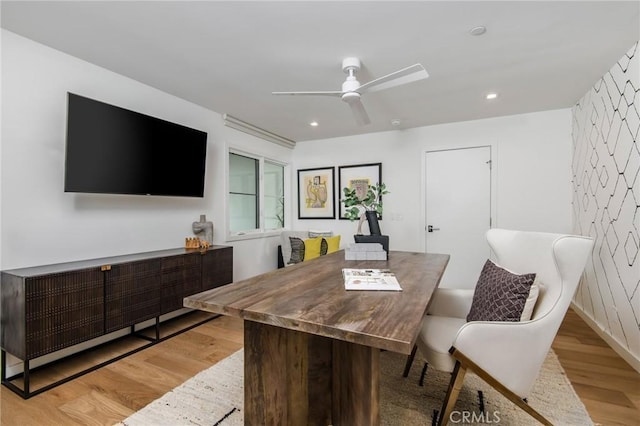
(180, 278)
(132, 294)
(62, 310)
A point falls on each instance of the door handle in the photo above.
(430, 228)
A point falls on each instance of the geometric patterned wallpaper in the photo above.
(606, 200)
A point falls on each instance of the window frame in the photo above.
(260, 231)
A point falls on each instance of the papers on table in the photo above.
(370, 279)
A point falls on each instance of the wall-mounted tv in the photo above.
(113, 150)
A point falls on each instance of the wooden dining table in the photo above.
(312, 348)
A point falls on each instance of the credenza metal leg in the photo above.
(25, 391)
(25, 373)
(3, 360)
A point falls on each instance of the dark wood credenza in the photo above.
(48, 308)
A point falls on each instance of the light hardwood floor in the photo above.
(609, 388)
(607, 385)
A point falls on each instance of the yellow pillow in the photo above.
(312, 248)
(333, 243)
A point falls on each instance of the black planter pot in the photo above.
(372, 220)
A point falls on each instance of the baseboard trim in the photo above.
(615, 345)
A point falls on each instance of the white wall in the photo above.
(532, 172)
(41, 224)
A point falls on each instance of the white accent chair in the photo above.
(507, 355)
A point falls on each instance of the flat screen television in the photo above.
(113, 150)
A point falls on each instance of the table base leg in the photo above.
(295, 378)
(355, 384)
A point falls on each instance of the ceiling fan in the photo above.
(352, 89)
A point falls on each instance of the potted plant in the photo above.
(367, 206)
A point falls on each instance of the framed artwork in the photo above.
(358, 176)
(316, 193)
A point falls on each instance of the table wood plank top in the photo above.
(310, 297)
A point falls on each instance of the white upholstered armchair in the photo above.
(506, 354)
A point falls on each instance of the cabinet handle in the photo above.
(105, 268)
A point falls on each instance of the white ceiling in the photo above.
(230, 56)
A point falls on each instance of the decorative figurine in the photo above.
(204, 229)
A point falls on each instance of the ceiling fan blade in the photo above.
(407, 75)
(360, 114)
(317, 93)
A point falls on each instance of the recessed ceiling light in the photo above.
(313, 124)
(491, 96)
(395, 122)
(477, 31)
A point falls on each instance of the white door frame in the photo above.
(493, 189)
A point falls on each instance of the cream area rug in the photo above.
(215, 397)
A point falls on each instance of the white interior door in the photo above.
(458, 211)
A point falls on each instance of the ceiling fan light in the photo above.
(350, 97)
